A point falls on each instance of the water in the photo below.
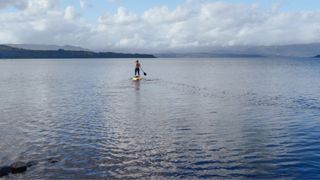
(189, 118)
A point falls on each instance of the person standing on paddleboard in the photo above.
(137, 69)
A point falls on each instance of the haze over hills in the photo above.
(47, 47)
(294, 50)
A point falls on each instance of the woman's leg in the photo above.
(136, 71)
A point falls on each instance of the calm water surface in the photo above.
(189, 118)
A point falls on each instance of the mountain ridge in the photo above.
(9, 52)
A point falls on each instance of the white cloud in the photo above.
(31, 6)
(41, 5)
(70, 13)
(164, 15)
(83, 4)
(8, 37)
(194, 24)
(122, 17)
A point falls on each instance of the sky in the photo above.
(159, 25)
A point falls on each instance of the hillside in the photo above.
(8, 52)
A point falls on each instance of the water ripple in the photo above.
(224, 122)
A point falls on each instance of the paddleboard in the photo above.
(136, 78)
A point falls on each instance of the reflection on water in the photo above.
(136, 85)
(231, 118)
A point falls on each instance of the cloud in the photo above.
(122, 17)
(29, 5)
(83, 4)
(70, 13)
(164, 15)
(192, 25)
(19, 4)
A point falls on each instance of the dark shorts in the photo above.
(137, 71)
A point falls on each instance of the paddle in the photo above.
(144, 73)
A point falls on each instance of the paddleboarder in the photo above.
(137, 68)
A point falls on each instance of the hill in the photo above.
(8, 52)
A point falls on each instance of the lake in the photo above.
(188, 118)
